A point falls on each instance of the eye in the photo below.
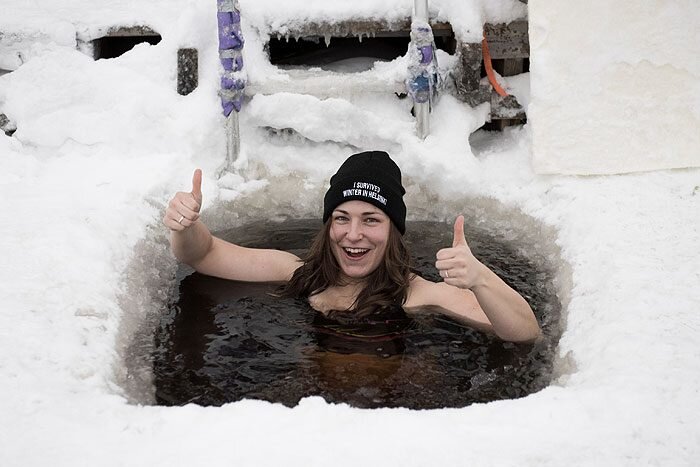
(340, 218)
(372, 220)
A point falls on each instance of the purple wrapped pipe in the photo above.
(232, 64)
(231, 94)
(232, 83)
(230, 36)
(423, 79)
(230, 106)
(426, 54)
(230, 48)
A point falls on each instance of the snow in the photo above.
(636, 64)
(101, 146)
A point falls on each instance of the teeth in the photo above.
(356, 250)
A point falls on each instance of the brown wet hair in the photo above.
(386, 286)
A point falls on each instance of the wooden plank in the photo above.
(508, 40)
(130, 31)
(509, 66)
(513, 66)
(372, 28)
(506, 108)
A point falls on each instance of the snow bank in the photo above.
(100, 148)
(615, 86)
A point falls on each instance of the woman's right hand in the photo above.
(183, 209)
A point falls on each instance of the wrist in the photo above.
(481, 279)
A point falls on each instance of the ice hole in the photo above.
(217, 351)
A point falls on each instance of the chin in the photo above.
(356, 274)
(362, 275)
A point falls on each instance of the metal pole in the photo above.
(233, 140)
(420, 8)
(421, 109)
(233, 78)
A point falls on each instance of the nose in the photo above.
(355, 233)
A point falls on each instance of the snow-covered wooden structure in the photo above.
(306, 50)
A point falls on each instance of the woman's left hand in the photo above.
(457, 265)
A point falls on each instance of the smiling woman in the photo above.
(362, 252)
(359, 235)
(358, 263)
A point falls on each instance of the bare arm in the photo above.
(476, 294)
(193, 244)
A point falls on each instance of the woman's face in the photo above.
(359, 234)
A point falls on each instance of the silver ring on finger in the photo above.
(447, 274)
(180, 220)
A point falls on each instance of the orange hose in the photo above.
(489, 69)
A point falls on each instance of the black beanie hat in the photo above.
(371, 177)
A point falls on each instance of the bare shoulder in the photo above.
(446, 299)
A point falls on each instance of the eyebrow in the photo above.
(366, 213)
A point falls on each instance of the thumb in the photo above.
(197, 185)
(459, 238)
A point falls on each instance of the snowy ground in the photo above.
(100, 148)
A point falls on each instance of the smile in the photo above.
(355, 252)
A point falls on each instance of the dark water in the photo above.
(224, 341)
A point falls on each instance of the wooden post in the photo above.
(468, 76)
(187, 71)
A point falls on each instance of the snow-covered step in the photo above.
(324, 84)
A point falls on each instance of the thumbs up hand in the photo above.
(457, 265)
(183, 209)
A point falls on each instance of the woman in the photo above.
(358, 261)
